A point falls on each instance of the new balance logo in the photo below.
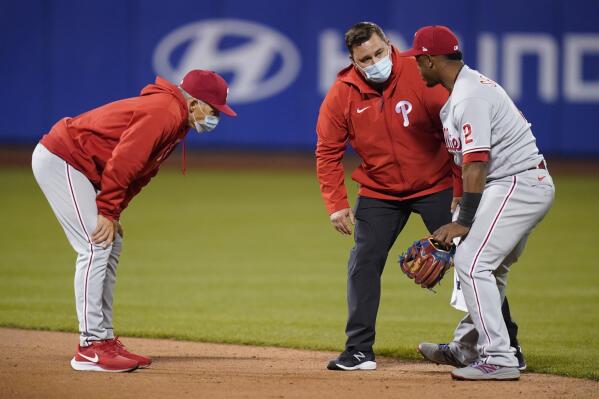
(487, 368)
(360, 356)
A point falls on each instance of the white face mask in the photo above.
(379, 72)
(209, 123)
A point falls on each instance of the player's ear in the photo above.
(429, 61)
(193, 103)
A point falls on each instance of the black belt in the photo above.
(541, 165)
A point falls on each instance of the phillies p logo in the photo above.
(404, 107)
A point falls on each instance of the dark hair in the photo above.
(457, 56)
(360, 33)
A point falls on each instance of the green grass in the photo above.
(249, 257)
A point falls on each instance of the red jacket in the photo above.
(403, 153)
(120, 146)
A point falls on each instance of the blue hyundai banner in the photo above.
(60, 58)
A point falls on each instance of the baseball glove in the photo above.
(426, 262)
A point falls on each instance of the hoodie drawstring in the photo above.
(183, 166)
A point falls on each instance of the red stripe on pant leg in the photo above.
(91, 246)
(485, 241)
(91, 259)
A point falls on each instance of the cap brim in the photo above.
(225, 109)
(411, 53)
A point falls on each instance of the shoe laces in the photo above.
(117, 342)
(476, 363)
(107, 346)
(119, 346)
(345, 355)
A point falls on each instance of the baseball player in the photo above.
(91, 166)
(507, 191)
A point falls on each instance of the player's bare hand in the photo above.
(104, 232)
(454, 203)
(343, 220)
(448, 232)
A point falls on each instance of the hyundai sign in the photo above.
(61, 58)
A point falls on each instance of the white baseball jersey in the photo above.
(480, 116)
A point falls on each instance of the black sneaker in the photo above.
(521, 360)
(353, 360)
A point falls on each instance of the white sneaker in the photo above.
(482, 371)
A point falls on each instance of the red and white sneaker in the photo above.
(142, 361)
(101, 356)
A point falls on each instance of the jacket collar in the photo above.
(352, 76)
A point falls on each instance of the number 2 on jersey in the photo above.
(467, 128)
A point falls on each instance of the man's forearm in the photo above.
(331, 176)
(474, 176)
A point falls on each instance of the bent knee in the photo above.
(462, 261)
(94, 250)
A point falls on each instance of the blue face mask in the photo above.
(207, 125)
(379, 72)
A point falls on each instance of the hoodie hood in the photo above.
(163, 86)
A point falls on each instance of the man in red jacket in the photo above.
(91, 166)
(380, 105)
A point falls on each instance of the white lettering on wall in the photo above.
(513, 49)
(487, 55)
(515, 46)
(332, 58)
(576, 46)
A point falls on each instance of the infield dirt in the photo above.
(35, 364)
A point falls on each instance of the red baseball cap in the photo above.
(209, 87)
(433, 40)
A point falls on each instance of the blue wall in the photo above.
(62, 57)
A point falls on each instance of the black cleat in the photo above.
(521, 359)
(353, 360)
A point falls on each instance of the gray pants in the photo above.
(510, 208)
(465, 337)
(72, 197)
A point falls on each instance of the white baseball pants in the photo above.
(510, 208)
(72, 197)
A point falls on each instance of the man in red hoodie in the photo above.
(382, 108)
(91, 166)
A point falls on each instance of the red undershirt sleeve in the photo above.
(477, 156)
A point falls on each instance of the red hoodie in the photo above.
(403, 153)
(120, 146)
